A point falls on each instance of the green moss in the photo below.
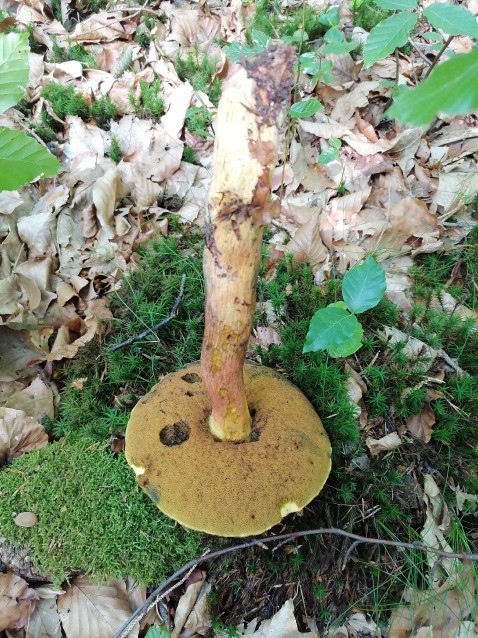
(66, 101)
(189, 155)
(199, 68)
(198, 121)
(91, 516)
(75, 52)
(150, 103)
(271, 19)
(367, 15)
(115, 152)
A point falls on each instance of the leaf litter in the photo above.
(65, 242)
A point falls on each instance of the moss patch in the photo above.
(92, 517)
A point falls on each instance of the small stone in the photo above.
(26, 519)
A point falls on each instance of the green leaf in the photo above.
(335, 330)
(329, 155)
(158, 632)
(13, 68)
(334, 34)
(394, 5)
(22, 160)
(389, 34)
(364, 286)
(297, 37)
(335, 142)
(432, 36)
(306, 108)
(331, 18)
(338, 48)
(452, 19)
(451, 88)
(237, 50)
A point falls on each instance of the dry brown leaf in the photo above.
(18, 354)
(266, 336)
(282, 625)
(103, 27)
(36, 400)
(19, 433)
(17, 601)
(438, 614)
(413, 348)
(421, 425)
(306, 245)
(45, 621)
(89, 611)
(385, 444)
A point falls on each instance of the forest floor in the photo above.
(126, 98)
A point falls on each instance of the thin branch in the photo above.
(157, 594)
(439, 54)
(159, 325)
(420, 52)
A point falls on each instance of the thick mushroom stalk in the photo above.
(245, 154)
(171, 438)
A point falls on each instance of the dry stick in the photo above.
(420, 52)
(192, 564)
(439, 54)
(159, 325)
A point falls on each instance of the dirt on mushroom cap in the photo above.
(223, 488)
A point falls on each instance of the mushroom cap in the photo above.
(225, 488)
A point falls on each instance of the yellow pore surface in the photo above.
(223, 488)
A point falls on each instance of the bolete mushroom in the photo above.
(220, 446)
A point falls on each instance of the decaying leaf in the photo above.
(282, 625)
(421, 425)
(19, 433)
(385, 444)
(17, 601)
(89, 611)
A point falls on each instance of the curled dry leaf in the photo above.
(421, 425)
(385, 444)
(19, 433)
(17, 602)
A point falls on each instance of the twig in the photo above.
(137, 616)
(159, 325)
(438, 56)
(420, 52)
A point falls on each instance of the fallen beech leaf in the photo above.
(385, 444)
(17, 601)
(19, 433)
(36, 400)
(186, 604)
(26, 519)
(306, 245)
(45, 621)
(421, 425)
(413, 348)
(266, 336)
(90, 611)
(282, 625)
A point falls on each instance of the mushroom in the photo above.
(221, 446)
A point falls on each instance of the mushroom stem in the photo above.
(247, 133)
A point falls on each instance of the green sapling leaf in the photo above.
(396, 5)
(451, 88)
(389, 34)
(22, 159)
(14, 68)
(452, 19)
(305, 108)
(364, 286)
(334, 329)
